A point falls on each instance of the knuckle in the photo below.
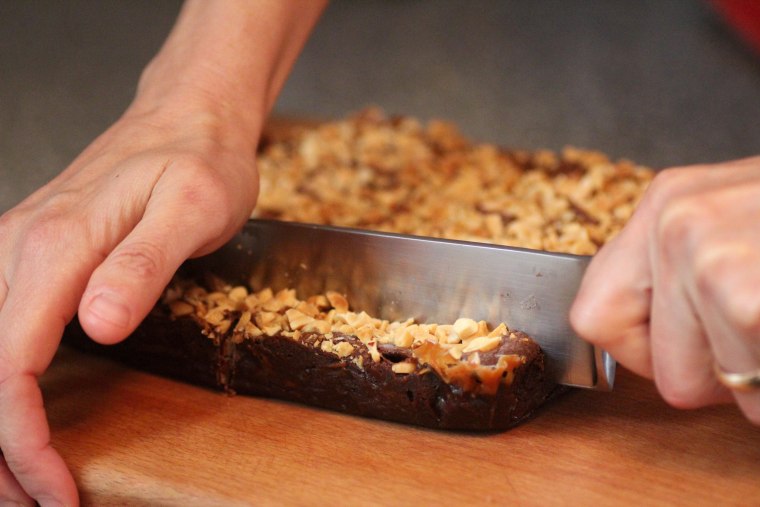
(6, 220)
(679, 223)
(142, 259)
(41, 233)
(667, 184)
(200, 184)
(49, 222)
(719, 277)
(205, 194)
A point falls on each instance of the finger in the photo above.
(733, 317)
(181, 220)
(731, 303)
(691, 236)
(43, 293)
(25, 440)
(10, 489)
(681, 355)
(613, 305)
(725, 287)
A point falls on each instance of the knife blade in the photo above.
(395, 277)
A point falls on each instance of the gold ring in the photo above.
(743, 382)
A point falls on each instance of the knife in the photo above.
(395, 277)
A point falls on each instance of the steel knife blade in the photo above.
(395, 277)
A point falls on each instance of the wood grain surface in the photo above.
(131, 438)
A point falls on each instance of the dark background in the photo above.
(662, 82)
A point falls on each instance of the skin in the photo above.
(677, 290)
(105, 236)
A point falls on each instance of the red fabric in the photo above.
(744, 15)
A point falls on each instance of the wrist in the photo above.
(197, 100)
(226, 60)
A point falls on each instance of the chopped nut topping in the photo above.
(329, 316)
(570, 202)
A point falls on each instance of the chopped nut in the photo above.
(218, 298)
(272, 330)
(223, 326)
(499, 331)
(453, 337)
(308, 309)
(465, 327)
(181, 308)
(403, 368)
(483, 344)
(373, 352)
(405, 338)
(238, 294)
(252, 331)
(264, 319)
(320, 301)
(252, 301)
(456, 351)
(358, 320)
(338, 301)
(317, 326)
(346, 329)
(265, 295)
(343, 349)
(245, 319)
(298, 319)
(273, 305)
(364, 333)
(216, 316)
(287, 298)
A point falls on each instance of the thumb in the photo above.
(126, 285)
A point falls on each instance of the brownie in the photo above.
(492, 385)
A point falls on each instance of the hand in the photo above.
(679, 289)
(105, 238)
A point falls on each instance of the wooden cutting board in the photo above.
(131, 438)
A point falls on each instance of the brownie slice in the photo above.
(462, 376)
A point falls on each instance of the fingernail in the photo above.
(110, 308)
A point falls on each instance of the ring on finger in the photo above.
(743, 382)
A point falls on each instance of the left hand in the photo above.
(678, 290)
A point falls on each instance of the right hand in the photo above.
(165, 183)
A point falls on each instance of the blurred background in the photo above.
(659, 82)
